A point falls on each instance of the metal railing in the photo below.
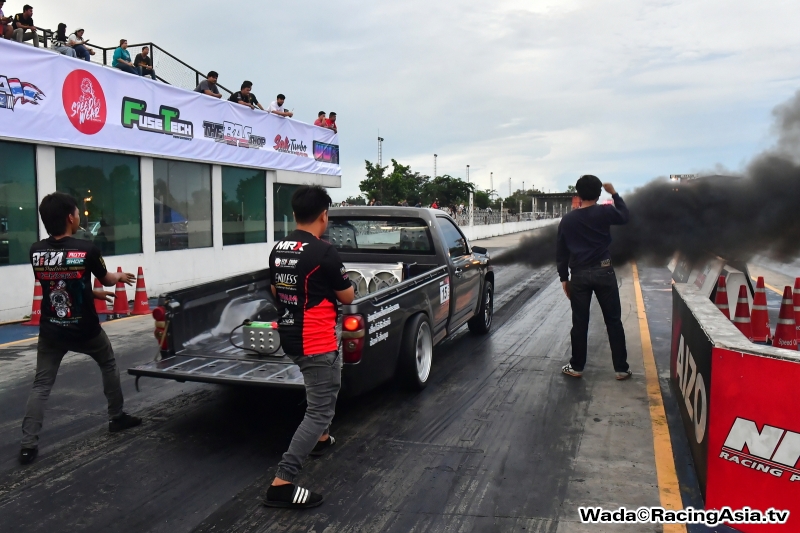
(485, 216)
(169, 69)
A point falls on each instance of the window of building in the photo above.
(282, 205)
(19, 221)
(108, 190)
(244, 206)
(182, 205)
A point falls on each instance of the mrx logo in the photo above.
(693, 390)
(233, 134)
(167, 121)
(772, 450)
(291, 245)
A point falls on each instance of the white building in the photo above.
(189, 187)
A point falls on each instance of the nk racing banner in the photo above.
(49, 97)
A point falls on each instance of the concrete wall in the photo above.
(163, 271)
(474, 233)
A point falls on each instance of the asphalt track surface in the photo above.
(498, 441)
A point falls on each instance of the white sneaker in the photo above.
(568, 370)
(624, 375)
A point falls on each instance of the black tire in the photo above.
(416, 353)
(481, 323)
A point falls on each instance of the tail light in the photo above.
(160, 333)
(353, 333)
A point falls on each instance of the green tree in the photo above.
(449, 191)
(401, 184)
(571, 189)
(356, 200)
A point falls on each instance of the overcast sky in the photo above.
(540, 91)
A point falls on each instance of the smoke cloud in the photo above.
(735, 218)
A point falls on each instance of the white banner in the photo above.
(49, 97)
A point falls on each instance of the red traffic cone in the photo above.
(759, 318)
(785, 333)
(796, 303)
(742, 318)
(140, 305)
(36, 308)
(101, 306)
(721, 300)
(120, 298)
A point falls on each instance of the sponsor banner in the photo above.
(754, 436)
(48, 97)
(690, 379)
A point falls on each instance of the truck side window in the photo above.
(453, 239)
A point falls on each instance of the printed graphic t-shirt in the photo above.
(305, 272)
(64, 268)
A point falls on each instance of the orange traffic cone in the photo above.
(721, 300)
(101, 306)
(796, 303)
(36, 308)
(120, 298)
(742, 318)
(785, 333)
(759, 319)
(140, 305)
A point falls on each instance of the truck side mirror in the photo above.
(479, 250)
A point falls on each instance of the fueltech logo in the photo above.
(291, 245)
(290, 146)
(774, 451)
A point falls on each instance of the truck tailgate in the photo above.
(280, 372)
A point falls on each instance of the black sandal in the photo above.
(322, 446)
(292, 497)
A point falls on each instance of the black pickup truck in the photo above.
(417, 280)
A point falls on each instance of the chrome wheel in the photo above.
(424, 352)
(488, 308)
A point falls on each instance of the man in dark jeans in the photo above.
(583, 240)
(64, 266)
(308, 278)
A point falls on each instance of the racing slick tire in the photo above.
(416, 352)
(481, 323)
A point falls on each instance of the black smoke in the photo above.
(733, 217)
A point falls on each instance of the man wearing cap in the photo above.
(583, 240)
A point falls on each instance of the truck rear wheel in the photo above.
(481, 323)
(416, 352)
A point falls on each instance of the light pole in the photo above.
(467, 173)
(434, 165)
(509, 186)
(491, 185)
(380, 151)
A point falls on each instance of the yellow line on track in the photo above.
(767, 285)
(35, 338)
(668, 488)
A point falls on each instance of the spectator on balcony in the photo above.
(245, 96)
(6, 31)
(144, 63)
(276, 107)
(209, 85)
(435, 204)
(24, 30)
(321, 121)
(332, 122)
(122, 59)
(79, 45)
(60, 43)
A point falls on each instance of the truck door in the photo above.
(465, 275)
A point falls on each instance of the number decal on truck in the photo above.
(444, 291)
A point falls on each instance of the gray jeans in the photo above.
(48, 359)
(323, 378)
(21, 34)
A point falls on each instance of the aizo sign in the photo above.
(167, 121)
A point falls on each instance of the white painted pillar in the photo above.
(272, 178)
(216, 206)
(147, 184)
(45, 179)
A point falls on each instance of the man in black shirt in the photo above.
(64, 266)
(246, 96)
(144, 63)
(308, 278)
(24, 30)
(583, 240)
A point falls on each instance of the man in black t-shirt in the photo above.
(144, 63)
(24, 30)
(245, 96)
(64, 265)
(308, 278)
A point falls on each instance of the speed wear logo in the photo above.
(84, 102)
(291, 245)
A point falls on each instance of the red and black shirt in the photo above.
(306, 272)
(64, 267)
